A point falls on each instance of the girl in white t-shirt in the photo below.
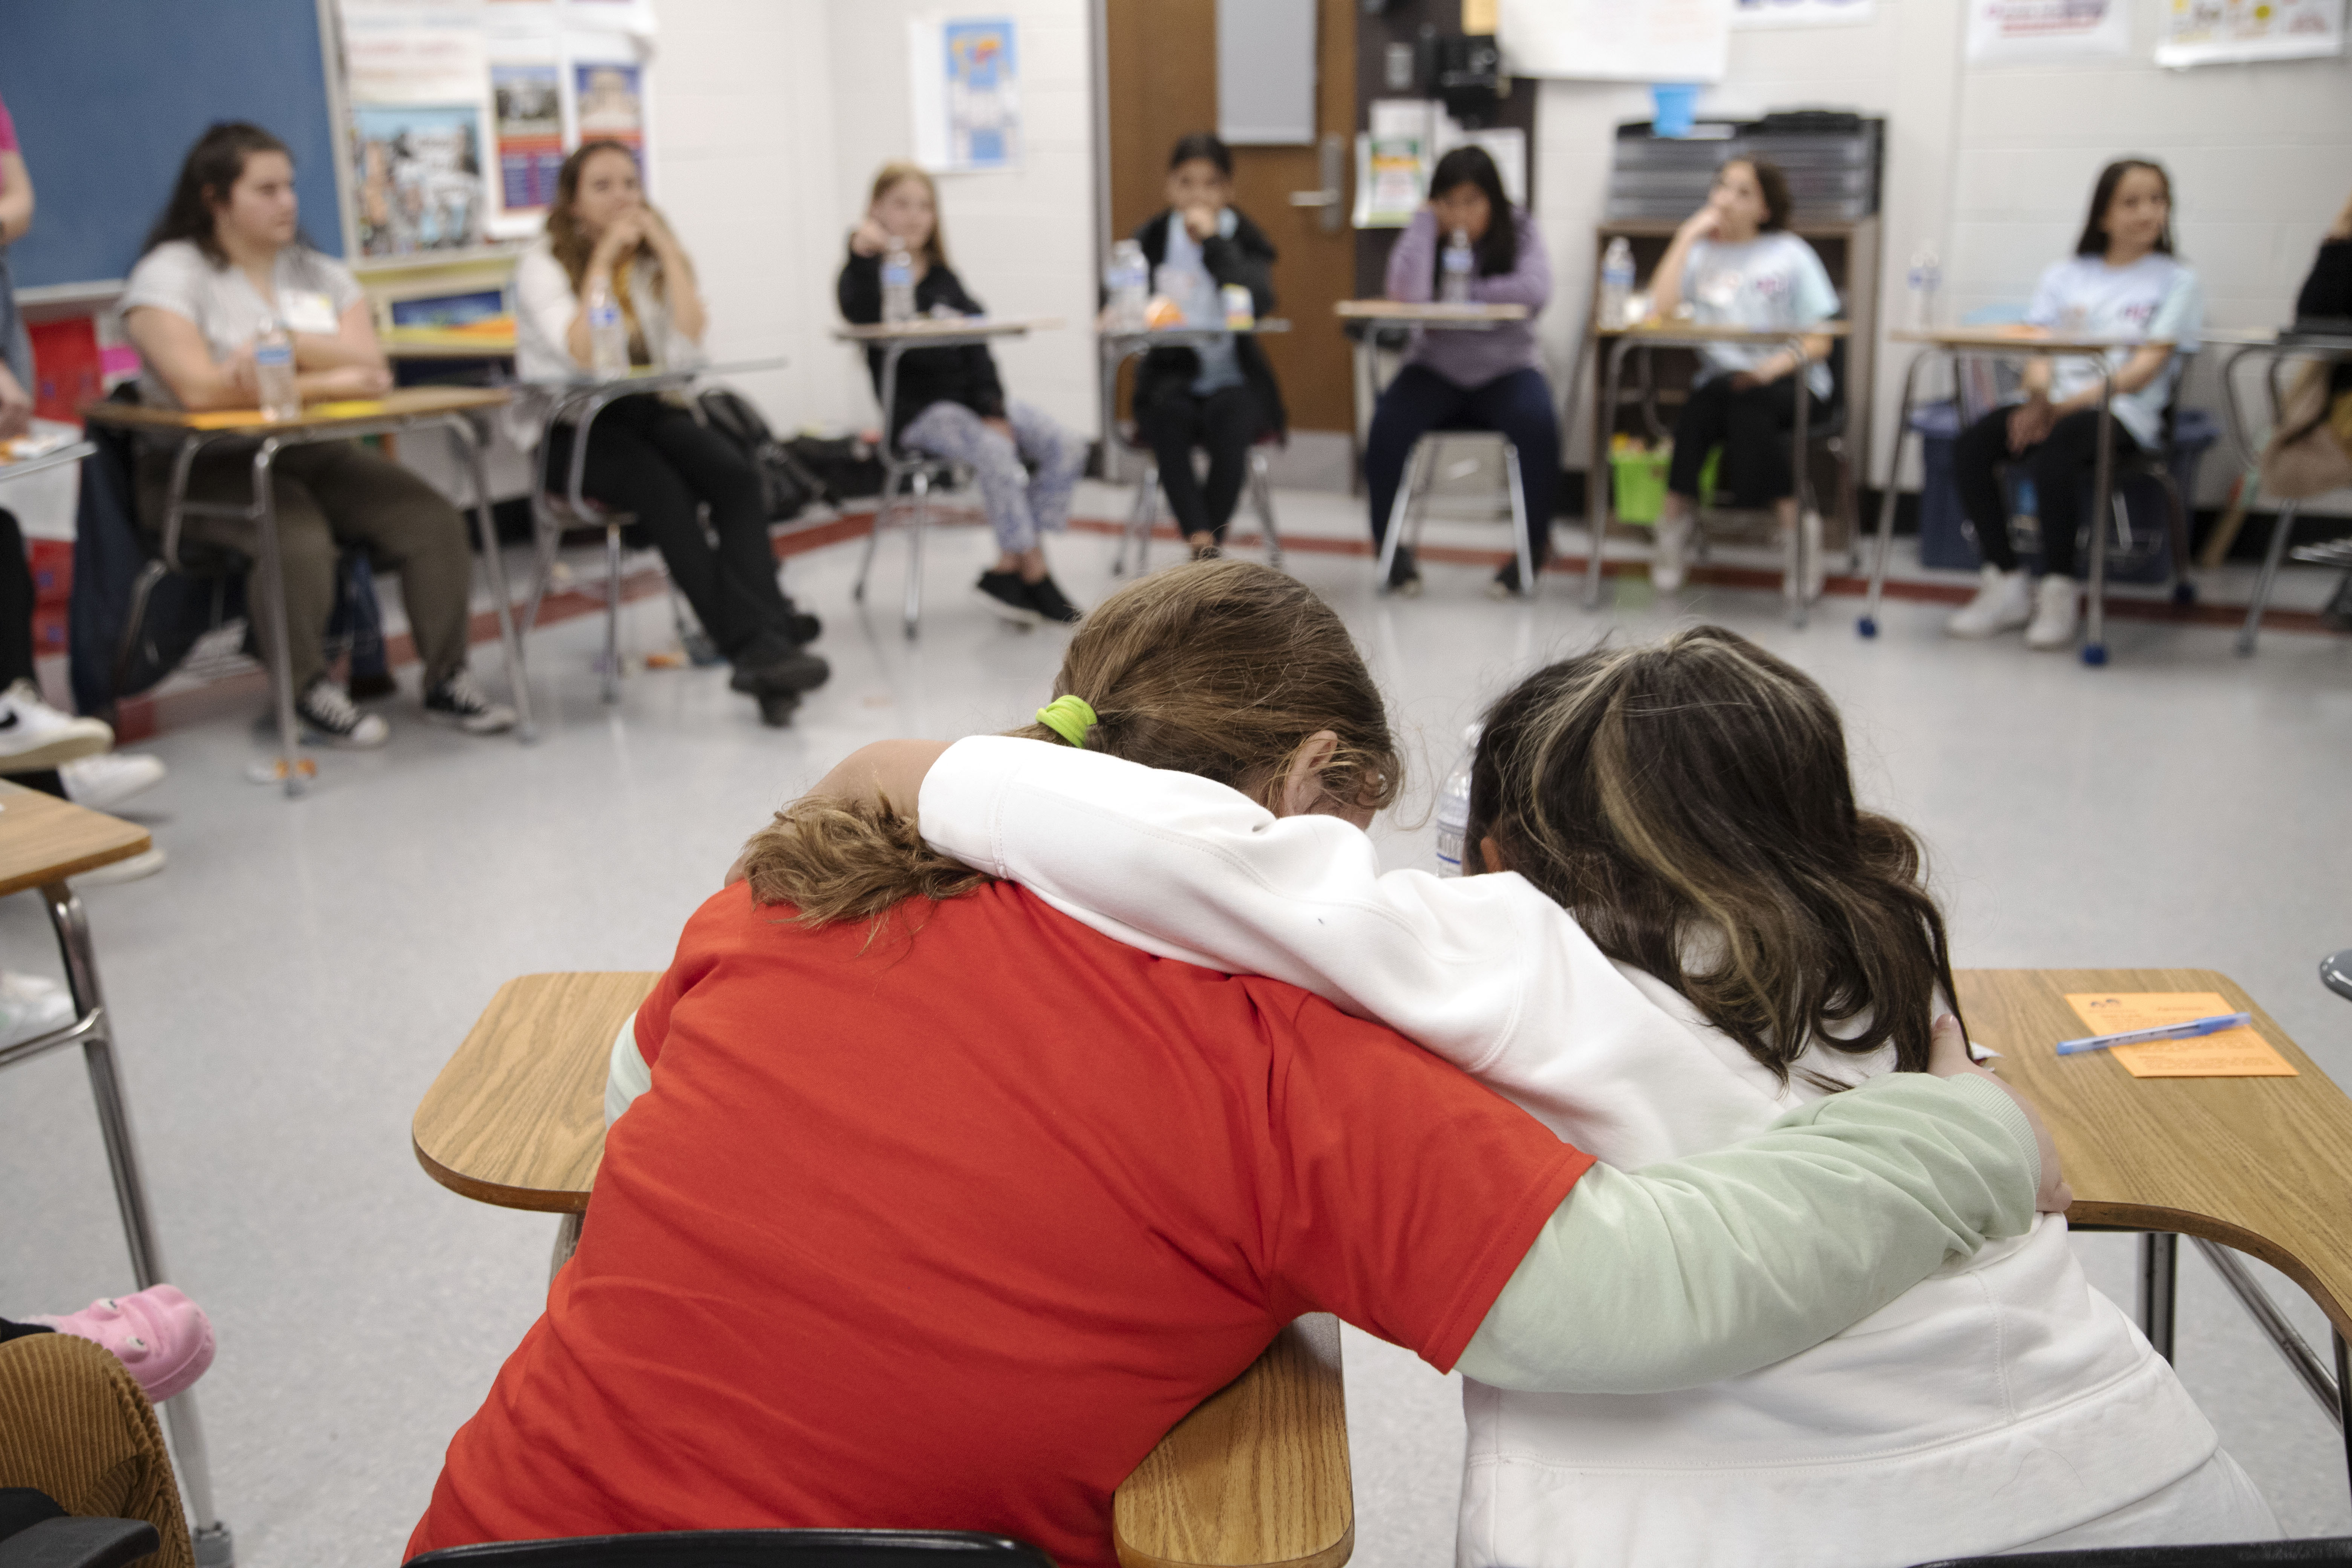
(1735, 264)
(2124, 282)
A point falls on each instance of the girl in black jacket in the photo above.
(1222, 397)
(950, 402)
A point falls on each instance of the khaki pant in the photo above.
(331, 494)
(75, 1425)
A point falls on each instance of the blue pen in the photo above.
(2188, 1031)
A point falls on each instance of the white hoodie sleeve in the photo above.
(1190, 869)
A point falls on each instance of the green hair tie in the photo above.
(1070, 718)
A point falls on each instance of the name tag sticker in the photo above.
(308, 310)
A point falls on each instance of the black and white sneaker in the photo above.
(1009, 596)
(1046, 594)
(330, 719)
(33, 735)
(772, 663)
(458, 702)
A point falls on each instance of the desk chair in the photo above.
(80, 1543)
(1145, 512)
(2335, 1549)
(746, 1549)
(1409, 509)
(2336, 973)
(906, 472)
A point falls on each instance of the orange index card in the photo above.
(2232, 1053)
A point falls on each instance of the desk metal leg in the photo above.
(1800, 463)
(1603, 504)
(1529, 564)
(273, 605)
(1884, 555)
(494, 566)
(2159, 1278)
(2103, 491)
(2281, 531)
(214, 1546)
(2343, 1400)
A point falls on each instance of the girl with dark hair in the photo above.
(226, 262)
(1456, 380)
(648, 455)
(1221, 397)
(1735, 264)
(2122, 282)
(1688, 926)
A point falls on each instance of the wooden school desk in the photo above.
(2259, 1164)
(1957, 343)
(1256, 1475)
(1601, 501)
(451, 408)
(44, 841)
(57, 458)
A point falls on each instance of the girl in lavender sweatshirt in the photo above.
(1455, 379)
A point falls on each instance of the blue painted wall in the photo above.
(109, 94)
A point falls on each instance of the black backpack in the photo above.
(785, 487)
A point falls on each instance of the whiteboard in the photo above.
(1618, 40)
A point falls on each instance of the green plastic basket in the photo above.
(1640, 481)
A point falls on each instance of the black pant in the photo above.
(1517, 406)
(16, 636)
(1752, 426)
(1224, 423)
(652, 459)
(2058, 465)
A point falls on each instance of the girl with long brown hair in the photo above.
(647, 454)
(1685, 927)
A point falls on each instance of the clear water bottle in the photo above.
(273, 373)
(608, 337)
(1453, 807)
(1130, 280)
(1455, 287)
(1616, 282)
(1927, 276)
(898, 282)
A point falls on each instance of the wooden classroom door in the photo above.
(1162, 58)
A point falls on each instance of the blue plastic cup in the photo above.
(1676, 105)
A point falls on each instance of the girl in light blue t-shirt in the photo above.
(1735, 264)
(2122, 282)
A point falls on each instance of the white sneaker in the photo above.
(138, 868)
(2057, 607)
(328, 717)
(2004, 602)
(33, 735)
(1667, 558)
(31, 1006)
(102, 783)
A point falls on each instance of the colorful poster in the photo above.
(1800, 13)
(608, 104)
(2210, 32)
(2010, 32)
(416, 177)
(967, 94)
(529, 104)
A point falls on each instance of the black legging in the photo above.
(652, 458)
(1752, 426)
(2058, 465)
(1224, 422)
(16, 635)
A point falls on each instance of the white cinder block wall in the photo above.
(1994, 167)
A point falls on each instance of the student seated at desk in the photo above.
(2123, 282)
(225, 260)
(952, 403)
(1482, 379)
(1735, 264)
(1657, 962)
(15, 343)
(1221, 397)
(648, 455)
(941, 1209)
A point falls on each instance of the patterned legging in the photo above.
(1021, 506)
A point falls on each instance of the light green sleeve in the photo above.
(1698, 1269)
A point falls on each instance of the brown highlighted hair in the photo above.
(211, 169)
(1222, 668)
(1770, 184)
(571, 244)
(935, 249)
(1689, 802)
(2094, 240)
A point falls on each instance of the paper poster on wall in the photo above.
(967, 94)
(2008, 32)
(608, 104)
(528, 100)
(411, 51)
(1393, 162)
(2211, 32)
(634, 17)
(1618, 40)
(1800, 13)
(417, 175)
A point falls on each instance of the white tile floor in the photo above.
(286, 990)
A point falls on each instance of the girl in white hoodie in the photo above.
(1689, 929)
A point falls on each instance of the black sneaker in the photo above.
(1404, 573)
(1046, 594)
(457, 700)
(329, 718)
(769, 663)
(1009, 596)
(776, 708)
(806, 629)
(1506, 584)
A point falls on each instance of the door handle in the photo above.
(1332, 197)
